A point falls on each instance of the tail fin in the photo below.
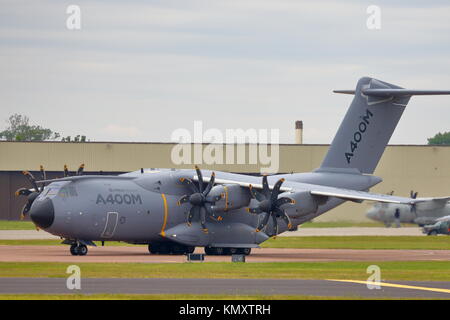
(369, 123)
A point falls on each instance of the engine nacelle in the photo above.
(233, 197)
(305, 203)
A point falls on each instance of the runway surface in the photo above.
(301, 232)
(410, 289)
(140, 254)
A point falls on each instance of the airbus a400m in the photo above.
(174, 211)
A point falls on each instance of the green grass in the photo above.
(348, 224)
(361, 242)
(331, 242)
(16, 225)
(392, 270)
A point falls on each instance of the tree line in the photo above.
(20, 129)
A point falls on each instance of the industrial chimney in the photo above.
(298, 132)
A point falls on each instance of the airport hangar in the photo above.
(421, 168)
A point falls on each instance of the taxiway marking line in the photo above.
(393, 285)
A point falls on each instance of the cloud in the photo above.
(116, 131)
(160, 65)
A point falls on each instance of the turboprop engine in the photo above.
(305, 203)
(233, 196)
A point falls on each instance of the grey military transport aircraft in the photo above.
(426, 212)
(174, 211)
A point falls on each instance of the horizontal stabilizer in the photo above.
(395, 92)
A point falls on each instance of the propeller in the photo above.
(31, 194)
(270, 204)
(413, 208)
(79, 172)
(198, 198)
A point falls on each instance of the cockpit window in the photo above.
(68, 191)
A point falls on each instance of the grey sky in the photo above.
(137, 70)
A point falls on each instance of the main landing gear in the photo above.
(218, 251)
(78, 249)
(169, 248)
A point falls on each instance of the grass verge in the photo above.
(16, 225)
(392, 270)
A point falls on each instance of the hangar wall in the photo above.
(425, 169)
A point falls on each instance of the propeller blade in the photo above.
(22, 192)
(276, 190)
(256, 210)
(183, 200)
(266, 190)
(210, 184)
(32, 180)
(213, 199)
(190, 184)
(263, 222)
(80, 170)
(66, 171)
(203, 218)
(200, 178)
(282, 214)
(192, 212)
(255, 194)
(22, 212)
(274, 225)
(283, 201)
(43, 176)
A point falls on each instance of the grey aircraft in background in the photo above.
(423, 213)
(174, 211)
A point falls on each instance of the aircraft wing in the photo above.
(346, 194)
(433, 203)
(354, 195)
(241, 183)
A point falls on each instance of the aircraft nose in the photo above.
(42, 213)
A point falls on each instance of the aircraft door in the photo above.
(111, 224)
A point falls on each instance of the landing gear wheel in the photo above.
(82, 250)
(169, 248)
(245, 251)
(230, 251)
(214, 251)
(78, 250)
(74, 249)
